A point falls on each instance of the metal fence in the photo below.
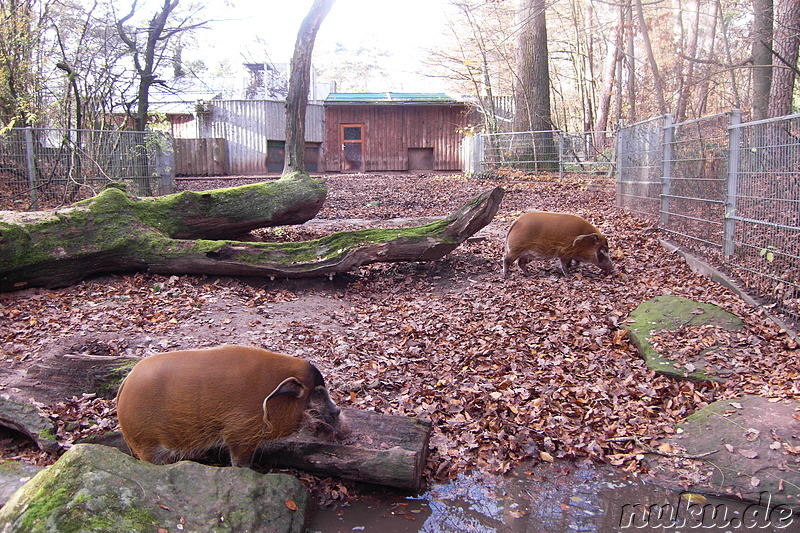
(536, 151)
(50, 167)
(729, 191)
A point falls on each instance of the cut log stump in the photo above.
(381, 449)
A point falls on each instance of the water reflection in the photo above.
(551, 499)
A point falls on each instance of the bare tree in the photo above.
(153, 51)
(21, 51)
(658, 84)
(299, 81)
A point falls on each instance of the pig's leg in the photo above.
(508, 260)
(242, 454)
(524, 259)
(565, 264)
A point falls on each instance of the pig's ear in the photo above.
(291, 386)
(586, 240)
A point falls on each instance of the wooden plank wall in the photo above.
(201, 157)
(248, 125)
(390, 130)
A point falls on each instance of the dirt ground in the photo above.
(507, 369)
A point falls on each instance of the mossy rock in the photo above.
(94, 488)
(670, 312)
(747, 448)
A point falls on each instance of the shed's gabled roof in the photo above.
(389, 98)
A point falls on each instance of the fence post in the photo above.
(31, 161)
(666, 168)
(478, 154)
(620, 145)
(560, 154)
(165, 162)
(732, 182)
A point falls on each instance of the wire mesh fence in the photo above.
(542, 151)
(640, 153)
(765, 232)
(728, 191)
(49, 167)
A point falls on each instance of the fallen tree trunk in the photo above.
(113, 232)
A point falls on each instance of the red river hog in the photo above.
(542, 235)
(177, 405)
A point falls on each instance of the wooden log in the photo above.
(381, 449)
(113, 232)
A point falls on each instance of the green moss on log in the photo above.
(115, 232)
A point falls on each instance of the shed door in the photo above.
(352, 136)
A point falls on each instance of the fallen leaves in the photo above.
(507, 369)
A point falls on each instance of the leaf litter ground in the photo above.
(507, 369)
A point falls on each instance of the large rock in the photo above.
(94, 488)
(747, 448)
(671, 313)
(29, 421)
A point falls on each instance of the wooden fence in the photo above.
(201, 157)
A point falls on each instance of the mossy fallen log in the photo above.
(113, 232)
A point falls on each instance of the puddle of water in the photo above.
(549, 499)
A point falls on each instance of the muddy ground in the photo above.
(508, 369)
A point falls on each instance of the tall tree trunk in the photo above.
(737, 99)
(787, 43)
(630, 58)
(762, 57)
(689, 37)
(299, 81)
(658, 84)
(532, 92)
(613, 58)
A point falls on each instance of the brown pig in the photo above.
(542, 235)
(177, 405)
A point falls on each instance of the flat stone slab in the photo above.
(94, 488)
(750, 450)
(670, 312)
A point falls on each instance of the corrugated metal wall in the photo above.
(248, 125)
(390, 130)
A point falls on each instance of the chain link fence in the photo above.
(726, 190)
(42, 168)
(540, 151)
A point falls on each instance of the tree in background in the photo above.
(91, 57)
(639, 59)
(762, 57)
(532, 89)
(785, 50)
(150, 49)
(21, 49)
(299, 81)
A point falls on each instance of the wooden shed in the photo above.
(393, 132)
